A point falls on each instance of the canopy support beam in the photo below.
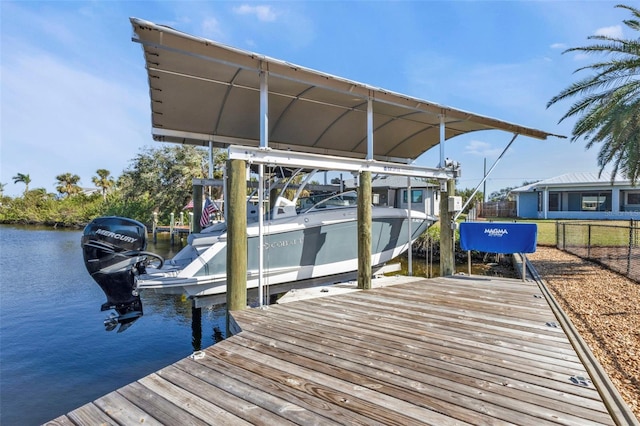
(324, 162)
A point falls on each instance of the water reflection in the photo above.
(181, 307)
(196, 328)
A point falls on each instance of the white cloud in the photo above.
(614, 31)
(263, 13)
(481, 149)
(558, 46)
(211, 28)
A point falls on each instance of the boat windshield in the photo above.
(327, 201)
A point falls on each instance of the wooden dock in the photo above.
(178, 230)
(443, 351)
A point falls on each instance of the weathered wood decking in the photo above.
(444, 351)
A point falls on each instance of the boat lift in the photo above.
(208, 94)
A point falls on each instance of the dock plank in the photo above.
(447, 337)
(312, 378)
(124, 411)
(193, 403)
(458, 383)
(60, 421)
(481, 334)
(160, 408)
(451, 354)
(287, 407)
(90, 414)
(445, 351)
(390, 359)
(290, 402)
(226, 401)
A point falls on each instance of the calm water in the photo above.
(54, 352)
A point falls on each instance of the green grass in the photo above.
(546, 229)
(603, 232)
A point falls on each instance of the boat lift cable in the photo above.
(618, 409)
(515, 135)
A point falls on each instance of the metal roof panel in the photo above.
(204, 91)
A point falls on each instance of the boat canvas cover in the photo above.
(496, 237)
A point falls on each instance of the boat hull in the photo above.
(311, 248)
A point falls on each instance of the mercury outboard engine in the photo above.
(113, 249)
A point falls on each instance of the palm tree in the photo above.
(103, 181)
(608, 108)
(68, 184)
(24, 178)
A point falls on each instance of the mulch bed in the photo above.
(605, 309)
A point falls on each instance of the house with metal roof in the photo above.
(579, 196)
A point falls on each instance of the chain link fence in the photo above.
(616, 246)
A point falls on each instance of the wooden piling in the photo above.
(236, 236)
(154, 227)
(447, 258)
(364, 231)
(172, 228)
(197, 207)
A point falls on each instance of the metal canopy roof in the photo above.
(202, 91)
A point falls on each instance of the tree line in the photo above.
(157, 180)
(68, 182)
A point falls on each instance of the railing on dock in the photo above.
(176, 227)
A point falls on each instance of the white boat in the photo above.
(303, 238)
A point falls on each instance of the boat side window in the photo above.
(345, 199)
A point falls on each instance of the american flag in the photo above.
(208, 209)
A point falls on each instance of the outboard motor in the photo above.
(113, 250)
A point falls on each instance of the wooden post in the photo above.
(364, 231)
(236, 237)
(196, 326)
(197, 207)
(447, 259)
(154, 227)
(172, 228)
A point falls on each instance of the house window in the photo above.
(416, 196)
(596, 201)
(633, 198)
(590, 201)
(554, 202)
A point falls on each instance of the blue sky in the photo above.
(74, 95)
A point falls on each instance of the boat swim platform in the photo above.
(443, 351)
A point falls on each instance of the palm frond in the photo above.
(608, 101)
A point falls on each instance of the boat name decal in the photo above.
(113, 235)
(284, 243)
(496, 232)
